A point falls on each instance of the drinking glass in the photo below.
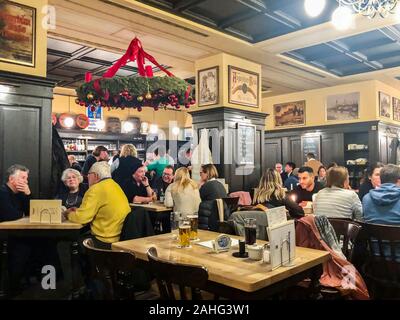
(174, 222)
(250, 230)
(194, 224)
(184, 233)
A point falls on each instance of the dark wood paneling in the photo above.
(332, 148)
(294, 152)
(25, 128)
(383, 149)
(273, 152)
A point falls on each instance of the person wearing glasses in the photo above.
(161, 184)
(73, 189)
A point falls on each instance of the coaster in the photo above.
(240, 255)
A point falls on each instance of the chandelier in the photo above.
(370, 8)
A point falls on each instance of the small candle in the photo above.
(294, 198)
(149, 71)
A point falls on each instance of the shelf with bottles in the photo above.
(74, 145)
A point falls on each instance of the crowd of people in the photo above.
(100, 194)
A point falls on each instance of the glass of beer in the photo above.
(194, 224)
(184, 233)
(250, 230)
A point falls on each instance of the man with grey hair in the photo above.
(15, 194)
(382, 205)
(104, 206)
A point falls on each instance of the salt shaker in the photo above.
(266, 254)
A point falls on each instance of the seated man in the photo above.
(382, 205)
(138, 189)
(15, 194)
(104, 206)
(307, 186)
(161, 184)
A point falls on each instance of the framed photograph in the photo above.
(343, 106)
(208, 80)
(396, 109)
(290, 114)
(17, 33)
(246, 140)
(243, 87)
(384, 105)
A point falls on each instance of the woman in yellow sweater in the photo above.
(104, 206)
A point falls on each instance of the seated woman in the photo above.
(372, 181)
(321, 178)
(270, 193)
(73, 190)
(211, 188)
(183, 194)
(336, 201)
(210, 191)
(123, 168)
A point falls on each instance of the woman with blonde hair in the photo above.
(126, 165)
(183, 194)
(270, 193)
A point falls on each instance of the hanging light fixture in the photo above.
(370, 8)
(69, 122)
(314, 7)
(342, 18)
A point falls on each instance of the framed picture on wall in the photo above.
(17, 33)
(208, 82)
(290, 114)
(384, 105)
(343, 106)
(311, 144)
(396, 109)
(243, 87)
(246, 140)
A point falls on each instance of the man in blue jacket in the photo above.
(382, 205)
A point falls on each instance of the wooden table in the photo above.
(22, 228)
(228, 276)
(152, 207)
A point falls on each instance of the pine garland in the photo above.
(136, 92)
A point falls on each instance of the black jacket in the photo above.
(209, 217)
(137, 224)
(64, 192)
(13, 206)
(126, 168)
(212, 190)
(364, 189)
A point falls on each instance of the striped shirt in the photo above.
(338, 203)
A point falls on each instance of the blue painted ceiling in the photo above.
(250, 20)
(370, 51)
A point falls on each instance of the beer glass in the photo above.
(194, 224)
(184, 233)
(250, 230)
(174, 222)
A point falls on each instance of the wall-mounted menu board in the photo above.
(311, 144)
(246, 139)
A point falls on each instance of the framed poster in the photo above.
(384, 105)
(208, 86)
(246, 140)
(17, 33)
(243, 87)
(343, 106)
(290, 114)
(94, 117)
(311, 144)
(396, 109)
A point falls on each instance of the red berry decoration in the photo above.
(82, 103)
(139, 109)
(187, 106)
(156, 108)
(192, 101)
(93, 109)
(178, 106)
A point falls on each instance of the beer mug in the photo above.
(250, 230)
(184, 233)
(194, 224)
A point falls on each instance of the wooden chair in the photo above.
(231, 203)
(114, 270)
(346, 231)
(168, 273)
(381, 266)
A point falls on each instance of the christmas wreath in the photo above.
(135, 91)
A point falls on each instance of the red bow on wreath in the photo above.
(135, 52)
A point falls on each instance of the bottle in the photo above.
(162, 196)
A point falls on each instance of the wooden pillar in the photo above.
(228, 104)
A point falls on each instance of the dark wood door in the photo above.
(294, 152)
(272, 152)
(20, 127)
(332, 149)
